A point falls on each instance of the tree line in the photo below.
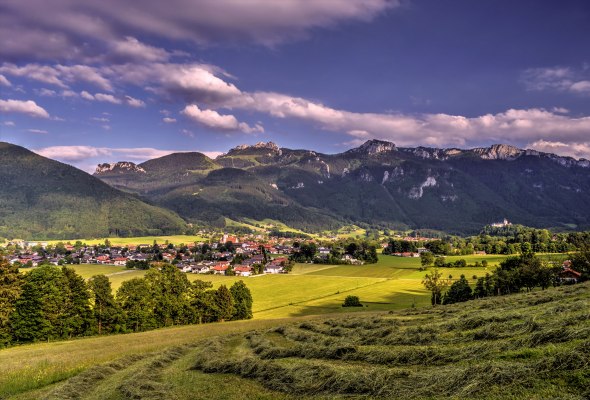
(523, 272)
(51, 302)
(512, 239)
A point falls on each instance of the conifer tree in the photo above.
(223, 304)
(106, 312)
(78, 314)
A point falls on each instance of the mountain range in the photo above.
(377, 183)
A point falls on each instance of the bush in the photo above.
(352, 301)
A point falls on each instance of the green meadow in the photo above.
(311, 289)
(392, 283)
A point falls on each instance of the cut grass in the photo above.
(510, 347)
(533, 346)
(29, 367)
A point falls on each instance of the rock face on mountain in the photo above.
(45, 199)
(376, 183)
(121, 167)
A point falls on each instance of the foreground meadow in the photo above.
(533, 346)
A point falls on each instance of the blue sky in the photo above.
(105, 81)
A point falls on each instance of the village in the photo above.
(230, 255)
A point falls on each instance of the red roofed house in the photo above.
(103, 259)
(568, 275)
(120, 261)
(221, 267)
(243, 270)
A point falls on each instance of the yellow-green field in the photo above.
(390, 284)
(116, 241)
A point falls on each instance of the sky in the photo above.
(115, 80)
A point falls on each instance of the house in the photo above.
(103, 259)
(324, 251)
(200, 269)
(185, 267)
(220, 268)
(120, 261)
(273, 269)
(242, 270)
(567, 274)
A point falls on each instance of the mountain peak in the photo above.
(259, 145)
(118, 167)
(499, 152)
(375, 146)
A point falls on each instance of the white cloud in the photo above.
(28, 107)
(75, 30)
(100, 119)
(38, 131)
(59, 74)
(581, 87)
(46, 92)
(4, 81)
(212, 119)
(169, 120)
(134, 102)
(8, 123)
(131, 49)
(576, 150)
(85, 95)
(107, 98)
(562, 79)
(41, 73)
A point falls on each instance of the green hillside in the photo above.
(532, 346)
(43, 199)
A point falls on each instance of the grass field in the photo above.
(393, 283)
(116, 241)
(533, 346)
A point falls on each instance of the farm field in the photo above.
(392, 283)
(529, 345)
(117, 241)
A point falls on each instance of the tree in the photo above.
(426, 259)
(137, 304)
(436, 284)
(242, 301)
(78, 314)
(352, 301)
(458, 292)
(170, 290)
(201, 302)
(223, 304)
(40, 310)
(439, 262)
(106, 312)
(11, 282)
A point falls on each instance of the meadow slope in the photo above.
(534, 345)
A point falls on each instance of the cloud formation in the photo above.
(4, 81)
(212, 119)
(564, 79)
(75, 28)
(28, 107)
(575, 150)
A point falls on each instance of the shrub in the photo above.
(352, 301)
